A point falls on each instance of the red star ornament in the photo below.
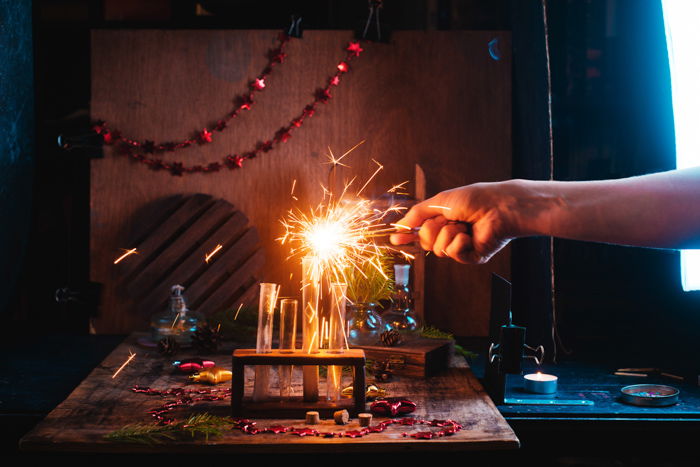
(234, 162)
(205, 136)
(258, 84)
(354, 49)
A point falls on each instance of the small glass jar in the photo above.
(177, 321)
(365, 325)
(401, 316)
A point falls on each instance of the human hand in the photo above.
(469, 224)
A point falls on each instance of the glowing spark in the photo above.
(311, 342)
(380, 167)
(337, 238)
(294, 184)
(332, 159)
(128, 252)
(407, 255)
(439, 207)
(238, 311)
(128, 360)
(396, 187)
(208, 257)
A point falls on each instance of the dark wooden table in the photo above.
(102, 404)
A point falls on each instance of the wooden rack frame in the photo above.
(295, 407)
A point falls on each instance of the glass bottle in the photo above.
(401, 316)
(177, 321)
(365, 326)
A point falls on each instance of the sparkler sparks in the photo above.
(339, 234)
(127, 253)
(238, 311)
(213, 252)
(128, 360)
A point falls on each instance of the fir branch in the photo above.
(469, 355)
(367, 284)
(432, 332)
(198, 425)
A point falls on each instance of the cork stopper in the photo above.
(313, 418)
(341, 417)
(365, 419)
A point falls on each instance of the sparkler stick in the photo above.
(128, 360)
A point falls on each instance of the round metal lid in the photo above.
(650, 395)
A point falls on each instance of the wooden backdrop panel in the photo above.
(433, 98)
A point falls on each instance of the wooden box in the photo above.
(416, 358)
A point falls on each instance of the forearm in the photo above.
(658, 210)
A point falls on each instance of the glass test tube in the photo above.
(266, 311)
(288, 337)
(311, 287)
(337, 339)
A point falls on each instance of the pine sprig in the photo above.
(199, 425)
(432, 332)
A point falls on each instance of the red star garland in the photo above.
(136, 149)
(184, 397)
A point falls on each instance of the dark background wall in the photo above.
(612, 118)
(16, 140)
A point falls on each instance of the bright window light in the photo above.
(681, 20)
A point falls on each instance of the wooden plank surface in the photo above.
(102, 404)
(434, 98)
(199, 242)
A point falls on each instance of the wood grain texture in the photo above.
(415, 358)
(199, 242)
(101, 404)
(431, 98)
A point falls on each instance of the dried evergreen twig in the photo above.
(199, 425)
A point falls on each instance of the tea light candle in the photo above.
(541, 383)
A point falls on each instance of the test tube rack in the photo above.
(296, 407)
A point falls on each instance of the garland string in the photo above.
(185, 397)
(142, 151)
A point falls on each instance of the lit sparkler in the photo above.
(340, 233)
(128, 360)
